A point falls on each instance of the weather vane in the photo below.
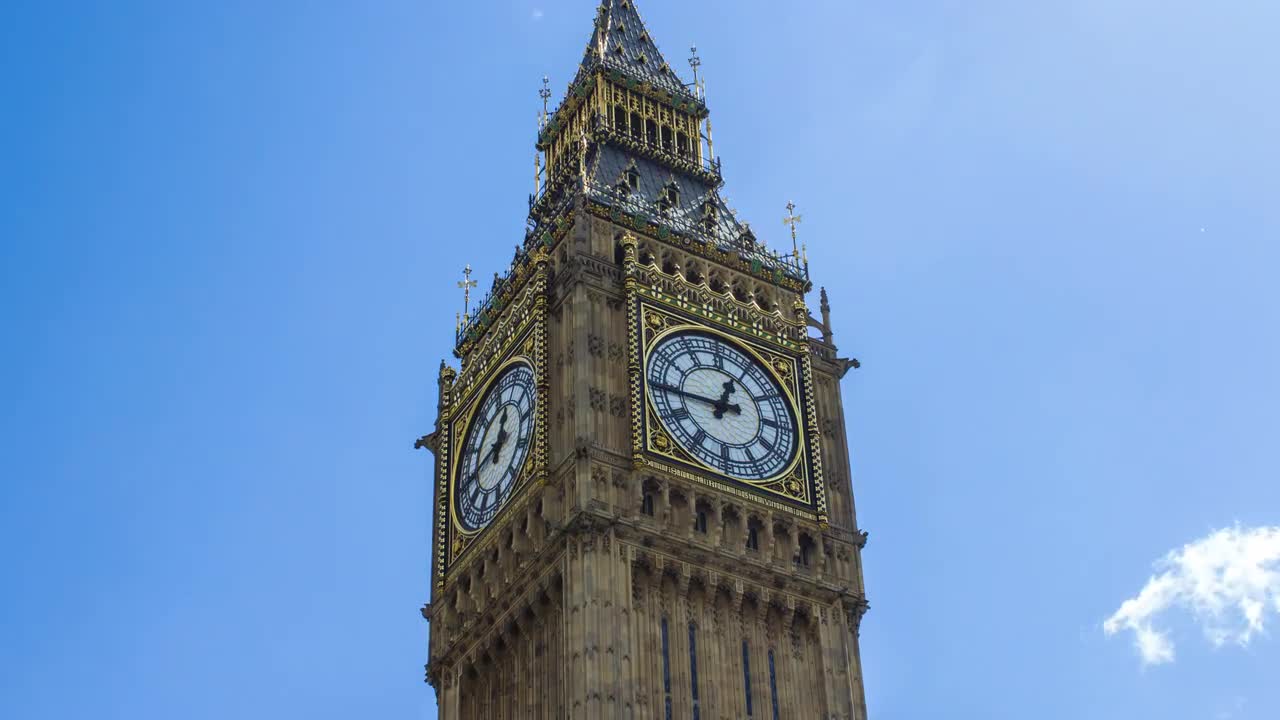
(792, 219)
(545, 94)
(466, 283)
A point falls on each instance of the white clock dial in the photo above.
(496, 446)
(721, 405)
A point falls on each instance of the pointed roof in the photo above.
(621, 47)
(621, 42)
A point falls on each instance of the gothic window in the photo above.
(633, 177)
(773, 683)
(646, 505)
(666, 138)
(709, 216)
(700, 521)
(619, 118)
(753, 539)
(637, 125)
(666, 672)
(746, 675)
(651, 132)
(682, 144)
(670, 197)
(693, 667)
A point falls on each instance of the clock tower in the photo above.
(643, 505)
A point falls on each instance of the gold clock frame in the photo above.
(517, 335)
(653, 314)
(459, 437)
(782, 369)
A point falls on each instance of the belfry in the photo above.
(643, 503)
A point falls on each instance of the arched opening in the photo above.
(754, 526)
(804, 555)
(691, 273)
(701, 510)
(649, 498)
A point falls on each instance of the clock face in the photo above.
(722, 406)
(496, 446)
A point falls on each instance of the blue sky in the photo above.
(230, 237)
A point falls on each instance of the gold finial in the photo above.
(466, 283)
(582, 157)
(711, 150)
(545, 93)
(792, 219)
(695, 62)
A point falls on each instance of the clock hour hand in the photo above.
(502, 436)
(722, 405)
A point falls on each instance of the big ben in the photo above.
(643, 502)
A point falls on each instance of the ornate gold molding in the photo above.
(517, 335)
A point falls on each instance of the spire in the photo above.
(620, 42)
(632, 140)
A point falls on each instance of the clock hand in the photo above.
(497, 445)
(502, 436)
(723, 405)
(679, 391)
(718, 406)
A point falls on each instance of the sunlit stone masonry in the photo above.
(643, 505)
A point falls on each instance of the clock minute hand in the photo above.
(680, 391)
(714, 403)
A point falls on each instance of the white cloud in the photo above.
(537, 13)
(1228, 581)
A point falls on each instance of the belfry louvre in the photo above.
(643, 504)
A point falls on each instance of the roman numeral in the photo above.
(770, 422)
(699, 436)
(678, 413)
